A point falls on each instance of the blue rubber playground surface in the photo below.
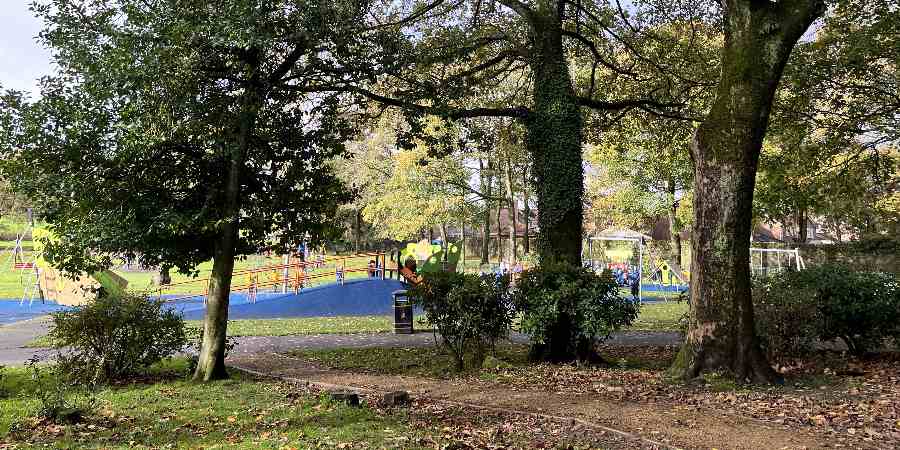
(12, 311)
(364, 297)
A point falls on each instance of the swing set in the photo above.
(26, 264)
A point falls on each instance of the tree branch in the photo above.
(519, 112)
(622, 104)
(522, 10)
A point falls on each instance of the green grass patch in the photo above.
(236, 413)
(431, 362)
(659, 317)
(289, 327)
(307, 325)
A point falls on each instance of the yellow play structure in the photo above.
(44, 283)
(65, 291)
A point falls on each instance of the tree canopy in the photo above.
(177, 131)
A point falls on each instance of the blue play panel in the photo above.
(656, 287)
(12, 311)
(362, 297)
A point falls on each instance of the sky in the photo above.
(22, 59)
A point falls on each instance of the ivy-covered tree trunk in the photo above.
(758, 40)
(211, 362)
(554, 135)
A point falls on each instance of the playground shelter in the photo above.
(619, 235)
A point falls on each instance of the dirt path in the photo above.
(678, 426)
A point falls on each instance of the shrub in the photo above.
(59, 401)
(795, 309)
(470, 312)
(567, 310)
(115, 337)
(787, 320)
(861, 308)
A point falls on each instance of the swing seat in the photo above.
(23, 265)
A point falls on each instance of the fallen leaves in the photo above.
(853, 401)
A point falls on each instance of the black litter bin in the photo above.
(403, 313)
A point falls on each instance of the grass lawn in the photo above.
(236, 413)
(166, 411)
(659, 317)
(419, 361)
(653, 317)
(307, 325)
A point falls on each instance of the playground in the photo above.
(263, 286)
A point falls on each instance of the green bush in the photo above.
(470, 312)
(567, 310)
(115, 337)
(59, 401)
(787, 319)
(795, 309)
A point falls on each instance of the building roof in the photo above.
(620, 233)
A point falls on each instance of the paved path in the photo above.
(13, 338)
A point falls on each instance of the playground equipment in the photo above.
(667, 277)
(625, 266)
(292, 276)
(767, 261)
(80, 290)
(26, 264)
(431, 257)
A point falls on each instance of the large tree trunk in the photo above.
(499, 223)
(554, 141)
(211, 362)
(721, 335)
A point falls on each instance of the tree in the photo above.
(178, 130)
(459, 52)
(643, 172)
(834, 122)
(759, 38)
(417, 189)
